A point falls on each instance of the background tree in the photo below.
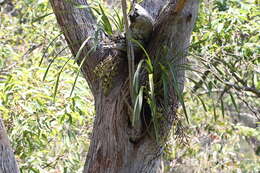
(7, 159)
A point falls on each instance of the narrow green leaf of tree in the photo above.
(138, 107)
(152, 104)
(54, 58)
(41, 17)
(222, 107)
(46, 50)
(202, 102)
(148, 60)
(214, 110)
(58, 79)
(81, 48)
(82, 62)
(233, 102)
(136, 78)
(106, 22)
(179, 94)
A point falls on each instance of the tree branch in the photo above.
(78, 24)
(168, 46)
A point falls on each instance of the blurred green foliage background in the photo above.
(48, 136)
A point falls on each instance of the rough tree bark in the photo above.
(7, 160)
(111, 149)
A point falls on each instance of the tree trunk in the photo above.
(117, 146)
(7, 159)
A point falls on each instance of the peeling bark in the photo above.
(111, 149)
